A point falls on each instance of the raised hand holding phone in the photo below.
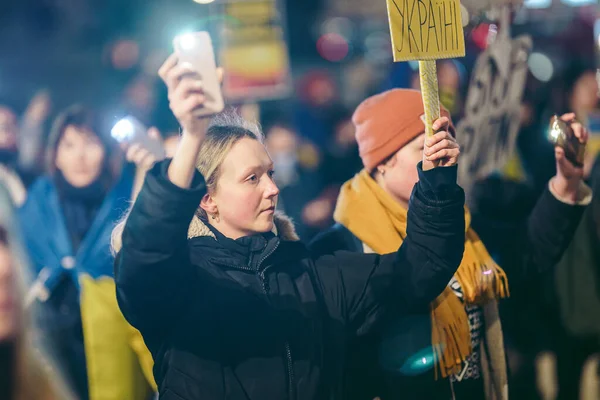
(130, 132)
(193, 80)
(193, 83)
(196, 50)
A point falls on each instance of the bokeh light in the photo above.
(333, 47)
(541, 67)
(378, 47)
(124, 54)
(340, 25)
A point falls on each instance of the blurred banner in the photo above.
(488, 132)
(254, 51)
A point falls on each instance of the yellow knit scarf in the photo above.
(373, 216)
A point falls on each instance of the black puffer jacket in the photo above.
(258, 317)
(532, 248)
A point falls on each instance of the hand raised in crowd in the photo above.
(39, 107)
(186, 94)
(568, 177)
(143, 158)
(186, 97)
(441, 149)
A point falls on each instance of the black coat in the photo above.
(534, 248)
(259, 317)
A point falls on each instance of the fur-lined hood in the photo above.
(284, 228)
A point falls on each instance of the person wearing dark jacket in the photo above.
(452, 348)
(229, 302)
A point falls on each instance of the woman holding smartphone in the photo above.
(230, 303)
(67, 221)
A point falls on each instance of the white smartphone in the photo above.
(130, 130)
(196, 49)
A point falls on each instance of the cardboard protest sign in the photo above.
(255, 53)
(488, 132)
(426, 29)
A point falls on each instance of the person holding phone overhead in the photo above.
(229, 301)
(453, 347)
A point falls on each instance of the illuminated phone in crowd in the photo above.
(131, 131)
(196, 49)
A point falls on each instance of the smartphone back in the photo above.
(196, 49)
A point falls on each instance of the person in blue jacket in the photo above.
(66, 222)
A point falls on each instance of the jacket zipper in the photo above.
(265, 287)
(261, 274)
(288, 351)
(290, 366)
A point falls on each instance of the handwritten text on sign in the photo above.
(426, 29)
(488, 132)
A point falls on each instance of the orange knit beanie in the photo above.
(388, 121)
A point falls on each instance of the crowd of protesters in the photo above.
(327, 254)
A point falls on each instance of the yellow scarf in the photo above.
(379, 221)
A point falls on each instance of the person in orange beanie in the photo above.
(452, 349)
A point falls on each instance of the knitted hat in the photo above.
(388, 121)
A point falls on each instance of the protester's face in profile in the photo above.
(8, 309)
(246, 195)
(8, 129)
(80, 156)
(401, 171)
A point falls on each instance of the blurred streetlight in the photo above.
(541, 66)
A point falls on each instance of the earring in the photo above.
(382, 171)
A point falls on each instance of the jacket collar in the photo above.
(284, 228)
(246, 252)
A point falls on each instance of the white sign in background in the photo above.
(488, 132)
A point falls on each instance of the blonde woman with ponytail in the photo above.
(229, 301)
